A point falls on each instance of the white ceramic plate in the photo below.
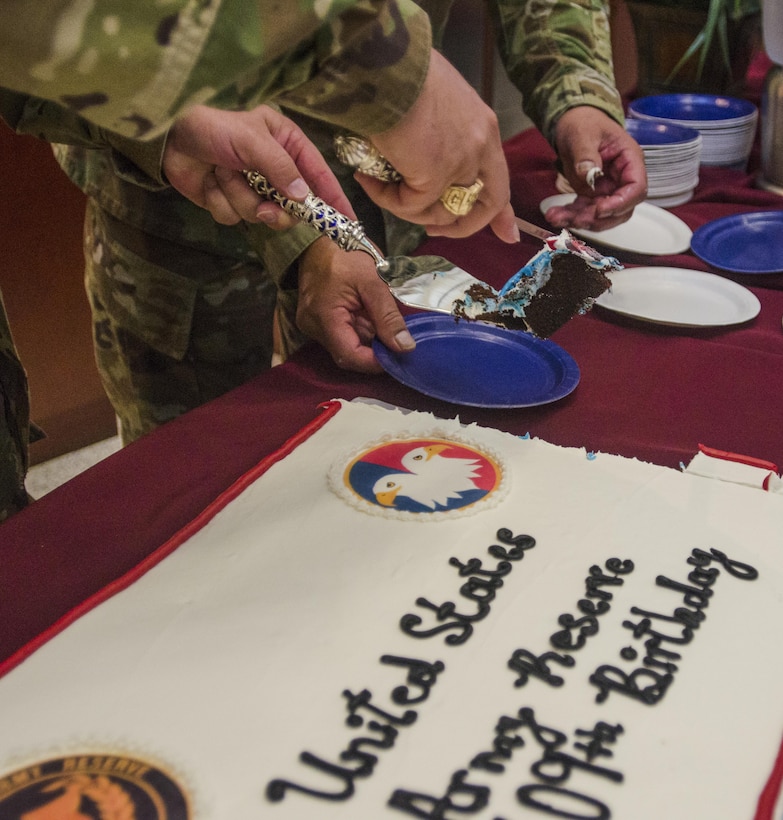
(650, 230)
(679, 296)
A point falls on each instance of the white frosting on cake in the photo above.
(529, 279)
(231, 658)
(509, 306)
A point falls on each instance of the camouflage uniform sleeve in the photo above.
(137, 161)
(131, 67)
(369, 84)
(559, 54)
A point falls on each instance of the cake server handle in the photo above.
(361, 155)
(347, 233)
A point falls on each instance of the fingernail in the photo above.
(516, 234)
(298, 189)
(405, 341)
(590, 171)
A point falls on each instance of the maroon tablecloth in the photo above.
(645, 391)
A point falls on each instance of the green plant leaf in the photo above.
(692, 49)
(715, 31)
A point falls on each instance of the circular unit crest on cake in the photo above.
(110, 786)
(422, 478)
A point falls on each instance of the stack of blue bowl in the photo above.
(727, 125)
(671, 155)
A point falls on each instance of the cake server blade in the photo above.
(424, 282)
(533, 230)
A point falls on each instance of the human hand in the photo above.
(207, 149)
(449, 137)
(586, 137)
(343, 304)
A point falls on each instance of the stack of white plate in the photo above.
(671, 155)
(727, 124)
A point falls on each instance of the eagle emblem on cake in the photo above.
(419, 477)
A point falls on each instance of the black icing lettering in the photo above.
(386, 741)
(601, 734)
(688, 619)
(276, 789)
(503, 744)
(659, 662)
(480, 590)
(474, 567)
(565, 640)
(544, 736)
(658, 657)
(596, 579)
(480, 587)
(363, 701)
(620, 566)
(611, 679)
(432, 808)
(698, 598)
(556, 767)
(462, 623)
(704, 576)
(533, 796)
(588, 607)
(736, 568)
(699, 558)
(518, 543)
(526, 664)
(577, 630)
(354, 753)
(419, 805)
(420, 673)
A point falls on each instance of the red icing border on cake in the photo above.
(329, 408)
(740, 459)
(769, 796)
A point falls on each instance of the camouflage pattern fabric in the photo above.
(14, 423)
(559, 54)
(182, 307)
(186, 313)
(111, 75)
(132, 206)
(131, 67)
(174, 327)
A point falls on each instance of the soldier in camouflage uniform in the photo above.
(117, 73)
(182, 305)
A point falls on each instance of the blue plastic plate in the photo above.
(646, 132)
(702, 107)
(742, 243)
(479, 365)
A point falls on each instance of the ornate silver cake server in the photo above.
(425, 282)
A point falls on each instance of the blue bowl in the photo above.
(647, 132)
(701, 107)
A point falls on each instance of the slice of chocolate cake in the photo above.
(563, 279)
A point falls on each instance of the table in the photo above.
(646, 392)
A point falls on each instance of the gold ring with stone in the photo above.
(458, 199)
